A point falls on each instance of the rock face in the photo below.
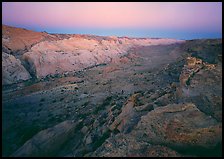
(47, 141)
(127, 146)
(12, 70)
(173, 126)
(78, 53)
(127, 114)
(196, 77)
(193, 66)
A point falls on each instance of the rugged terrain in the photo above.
(85, 95)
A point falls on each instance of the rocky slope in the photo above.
(17, 40)
(154, 101)
(45, 54)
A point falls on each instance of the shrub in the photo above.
(42, 100)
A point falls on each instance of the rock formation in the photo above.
(52, 54)
(12, 70)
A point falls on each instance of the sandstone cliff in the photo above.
(44, 54)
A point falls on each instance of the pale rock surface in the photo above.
(51, 54)
(12, 70)
(78, 53)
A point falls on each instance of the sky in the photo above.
(180, 20)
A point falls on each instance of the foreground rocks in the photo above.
(126, 116)
(175, 125)
(181, 127)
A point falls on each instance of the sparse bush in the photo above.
(42, 100)
(86, 103)
(188, 82)
(29, 132)
(103, 105)
(39, 110)
(101, 140)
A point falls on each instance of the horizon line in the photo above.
(123, 36)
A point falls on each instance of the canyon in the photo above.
(79, 95)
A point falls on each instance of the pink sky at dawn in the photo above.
(176, 16)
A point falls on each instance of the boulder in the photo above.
(180, 126)
(47, 142)
(12, 70)
(126, 116)
(84, 129)
(161, 151)
(170, 131)
(127, 146)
